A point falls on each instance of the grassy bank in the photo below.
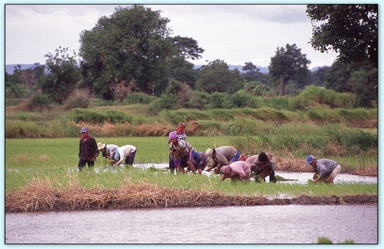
(60, 190)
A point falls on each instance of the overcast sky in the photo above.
(233, 33)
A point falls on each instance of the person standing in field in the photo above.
(220, 156)
(87, 149)
(108, 151)
(325, 169)
(237, 170)
(263, 164)
(125, 154)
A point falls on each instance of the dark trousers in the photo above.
(83, 162)
(129, 159)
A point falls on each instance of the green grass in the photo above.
(56, 159)
(64, 177)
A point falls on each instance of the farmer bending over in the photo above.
(125, 154)
(263, 165)
(223, 155)
(325, 169)
(236, 170)
(108, 151)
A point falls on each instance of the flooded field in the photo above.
(296, 177)
(290, 224)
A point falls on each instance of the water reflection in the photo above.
(225, 225)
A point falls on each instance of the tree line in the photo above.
(132, 52)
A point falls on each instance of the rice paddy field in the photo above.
(41, 155)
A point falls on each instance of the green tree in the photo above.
(216, 77)
(182, 71)
(188, 48)
(365, 82)
(129, 48)
(318, 76)
(252, 73)
(336, 77)
(179, 68)
(63, 75)
(349, 29)
(288, 64)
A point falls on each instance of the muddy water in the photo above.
(236, 225)
(296, 177)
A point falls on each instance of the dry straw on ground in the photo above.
(40, 195)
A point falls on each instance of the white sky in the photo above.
(233, 33)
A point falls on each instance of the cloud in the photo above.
(233, 33)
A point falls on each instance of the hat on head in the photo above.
(172, 135)
(100, 146)
(310, 159)
(84, 129)
(209, 152)
(225, 170)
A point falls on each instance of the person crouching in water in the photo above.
(124, 154)
(108, 151)
(199, 160)
(237, 170)
(325, 169)
(220, 156)
(264, 166)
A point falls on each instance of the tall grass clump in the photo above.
(100, 116)
(182, 115)
(357, 115)
(138, 98)
(22, 129)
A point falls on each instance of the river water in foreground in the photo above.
(290, 224)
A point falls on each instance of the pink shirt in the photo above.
(240, 168)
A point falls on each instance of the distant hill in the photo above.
(11, 67)
(232, 67)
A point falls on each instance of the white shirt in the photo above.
(124, 151)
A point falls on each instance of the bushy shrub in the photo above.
(363, 140)
(138, 98)
(199, 100)
(39, 102)
(313, 96)
(77, 102)
(16, 91)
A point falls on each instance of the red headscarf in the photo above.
(180, 128)
(84, 135)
